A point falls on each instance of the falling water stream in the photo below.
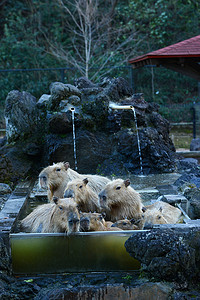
(74, 137)
(138, 140)
(115, 106)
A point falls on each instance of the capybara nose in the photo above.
(74, 221)
(102, 196)
(43, 177)
(148, 226)
(69, 194)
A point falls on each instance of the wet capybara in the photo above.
(125, 224)
(56, 177)
(109, 226)
(60, 216)
(86, 199)
(120, 201)
(92, 222)
(160, 213)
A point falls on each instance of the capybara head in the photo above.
(65, 215)
(113, 192)
(92, 222)
(151, 217)
(125, 224)
(77, 189)
(52, 176)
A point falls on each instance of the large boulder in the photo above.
(167, 254)
(21, 115)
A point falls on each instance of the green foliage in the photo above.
(31, 31)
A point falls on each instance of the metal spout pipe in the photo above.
(115, 106)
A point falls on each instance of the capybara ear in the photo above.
(85, 181)
(144, 209)
(127, 182)
(55, 199)
(66, 165)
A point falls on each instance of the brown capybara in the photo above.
(109, 226)
(125, 224)
(159, 213)
(56, 177)
(60, 216)
(92, 222)
(120, 201)
(172, 214)
(151, 217)
(86, 199)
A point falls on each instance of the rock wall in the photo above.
(168, 253)
(40, 132)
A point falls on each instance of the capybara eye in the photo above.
(118, 187)
(124, 223)
(58, 170)
(61, 207)
(80, 187)
(159, 217)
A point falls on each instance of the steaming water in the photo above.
(74, 139)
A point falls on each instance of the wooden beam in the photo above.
(189, 69)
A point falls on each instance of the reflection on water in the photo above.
(53, 253)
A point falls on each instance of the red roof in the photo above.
(186, 48)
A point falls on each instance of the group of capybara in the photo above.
(80, 202)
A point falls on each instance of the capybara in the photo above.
(86, 199)
(60, 216)
(125, 224)
(151, 217)
(92, 222)
(56, 177)
(159, 213)
(120, 201)
(109, 226)
(172, 214)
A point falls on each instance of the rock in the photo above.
(21, 115)
(5, 189)
(153, 291)
(106, 139)
(193, 196)
(167, 254)
(189, 179)
(195, 145)
(188, 165)
(91, 150)
(84, 82)
(60, 91)
(43, 101)
(60, 123)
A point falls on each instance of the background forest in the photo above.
(96, 38)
